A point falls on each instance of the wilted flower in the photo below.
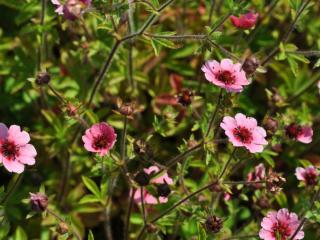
(243, 131)
(308, 175)
(147, 197)
(250, 65)
(38, 201)
(274, 181)
(71, 9)
(100, 138)
(259, 174)
(14, 148)
(185, 97)
(62, 228)
(280, 225)
(43, 78)
(300, 133)
(225, 75)
(213, 224)
(245, 21)
(141, 147)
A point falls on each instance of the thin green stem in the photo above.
(226, 165)
(214, 114)
(123, 142)
(11, 190)
(143, 207)
(130, 206)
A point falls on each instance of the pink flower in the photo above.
(225, 75)
(147, 197)
(100, 138)
(245, 21)
(14, 148)
(71, 9)
(243, 131)
(258, 175)
(308, 175)
(280, 225)
(300, 133)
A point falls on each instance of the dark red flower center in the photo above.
(100, 142)
(281, 231)
(311, 178)
(293, 130)
(226, 77)
(243, 134)
(9, 149)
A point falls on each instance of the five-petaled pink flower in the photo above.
(309, 175)
(71, 9)
(100, 138)
(300, 133)
(280, 225)
(245, 21)
(14, 148)
(258, 174)
(225, 75)
(148, 198)
(243, 131)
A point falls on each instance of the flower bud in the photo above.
(71, 110)
(271, 125)
(39, 202)
(43, 78)
(142, 178)
(216, 187)
(185, 97)
(163, 190)
(250, 65)
(213, 224)
(62, 228)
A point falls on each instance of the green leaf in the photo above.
(293, 65)
(91, 185)
(20, 234)
(90, 235)
(89, 199)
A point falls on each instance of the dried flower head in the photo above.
(43, 78)
(274, 181)
(213, 224)
(185, 97)
(38, 201)
(62, 228)
(163, 190)
(271, 125)
(141, 147)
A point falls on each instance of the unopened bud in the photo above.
(163, 190)
(250, 65)
(271, 125)
(127, 109)
(185, 97)
(39, 202)
(274, 182)
(142, 178)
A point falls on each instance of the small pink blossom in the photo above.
(15, 151)
(100, 138)
(280, 225)
(225, 75)
(71, 9)
(245, 21)
(243, 131)
(308, 175)
(259, 174)
(147, 197)
(299, 133)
